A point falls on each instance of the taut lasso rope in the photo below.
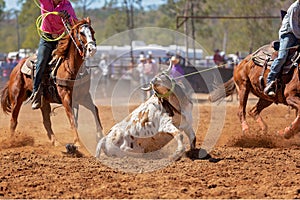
(221, 66)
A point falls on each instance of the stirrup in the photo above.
(36, 105)
(270, 89)
(36, 99)
(261, 82)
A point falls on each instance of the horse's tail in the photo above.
(5, 101)
(223, 91)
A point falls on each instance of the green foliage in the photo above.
(2, 6)
(238, 34)
(27, 20)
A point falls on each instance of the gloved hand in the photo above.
(64, 14)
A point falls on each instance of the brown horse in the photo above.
(72, 49)
(246, 77)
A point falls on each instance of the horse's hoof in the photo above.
(245, 128)
(286, 134)
(55, 143)
(246, 132)
(77, 144)
(71, 148)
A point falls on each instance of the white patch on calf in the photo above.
(142, 124)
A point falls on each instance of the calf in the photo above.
(167, 112)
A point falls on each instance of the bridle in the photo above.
(82, 31)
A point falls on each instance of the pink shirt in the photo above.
(52, 23)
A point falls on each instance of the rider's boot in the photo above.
(36, 101)
(270, 89)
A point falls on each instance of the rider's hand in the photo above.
(64, 14)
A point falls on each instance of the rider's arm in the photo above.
(295, 21)
(47, 6)
(67, 6)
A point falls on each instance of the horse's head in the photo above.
(83, 34)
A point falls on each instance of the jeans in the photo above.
(286, 41)
(43, 58)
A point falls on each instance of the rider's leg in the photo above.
(286, 41)
(43, 57)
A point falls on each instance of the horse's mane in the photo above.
(64, 44)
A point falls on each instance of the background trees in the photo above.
(115, 16)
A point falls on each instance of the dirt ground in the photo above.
(241, 166)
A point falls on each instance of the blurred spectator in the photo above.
(150, 69)
(150, 56)
(218, 58)
(103, 66)
(176, 69)
(165, 60)
(238, 57)
(182, 61)
(140, 69)
(7, 66)
(142, 55)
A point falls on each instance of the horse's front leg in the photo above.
(89, 104)
(46, 110)
(67, 103)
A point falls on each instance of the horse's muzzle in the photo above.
(91, 49)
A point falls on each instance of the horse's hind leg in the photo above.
(244, 90)
(15, 109)
(294, 127)
(255, 113)
(14, 116)
(46, 110)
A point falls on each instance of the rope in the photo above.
(166, 95)
(201, 71)
(221, 66)
(39, 22)
(70, 34)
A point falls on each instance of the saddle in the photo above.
(50, 80)
(265, 56)
(28, 67)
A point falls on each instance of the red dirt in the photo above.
(251, 166)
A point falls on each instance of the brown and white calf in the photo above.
(167, 111)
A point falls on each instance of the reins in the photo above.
(72, 38)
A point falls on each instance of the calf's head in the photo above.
(162, 85)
